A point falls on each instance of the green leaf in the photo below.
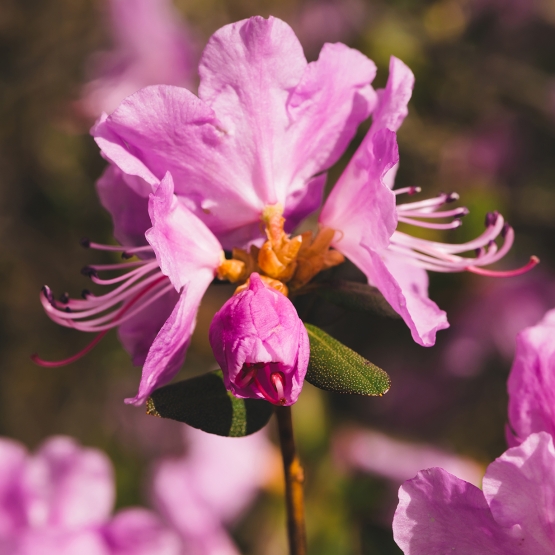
(352, 295)
(335, 367)
(203, 402)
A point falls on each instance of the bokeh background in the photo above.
(481, 122)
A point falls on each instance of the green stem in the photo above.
(294, 478)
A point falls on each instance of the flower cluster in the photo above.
(513, 514)
(235, 169)
(59, 500)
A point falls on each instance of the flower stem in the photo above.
(294, 478)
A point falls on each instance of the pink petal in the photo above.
(128, 209)
(392, 106)
(361, 207)
(332, 98)
(183, 245)
(13, 457)
(137, 531)
(167, 353)
(439, 514)
(138, 332)
(405, 287)
(53, 541)
(68, 485)
(520, 489)
(531, 383)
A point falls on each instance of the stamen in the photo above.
(263, 391)
(85, 242)
(429, 225)
(89, 272)
(277, 381)
(534, 261)
(407, 190)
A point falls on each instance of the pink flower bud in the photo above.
(261, 345)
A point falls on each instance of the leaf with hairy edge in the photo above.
(335, 367)
(204, 403)
(352, 295)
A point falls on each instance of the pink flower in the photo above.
(362, 209)
(265, 127)
(151, 46)
(261, 345)
(531, 383)
(59, 502)
(210, 487)
(512, 515)
(155, 304)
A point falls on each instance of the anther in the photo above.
(491, 218)
(47, 292)
(414, 190)
(126, 255)
(89, 272)
(64, 298)
(452, 197)
(85, 294)
(85, 242)
(505, 230)
(67, 309)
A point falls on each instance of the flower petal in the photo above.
(13, 457)
(531, 383)
(391, 108)
(333, 97)
(167, 352)
(138, 332)
(405, 288)
(183, 245)
(439, 513)
(361, 207)
(137, 531)
(129, 210)
(520, 489)
(66, 485)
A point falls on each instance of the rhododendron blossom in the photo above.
(263, 130)
(512, 514)
(59, 500)
(362, 210)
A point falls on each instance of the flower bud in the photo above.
(261, 345)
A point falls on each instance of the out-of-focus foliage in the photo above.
(482, 122)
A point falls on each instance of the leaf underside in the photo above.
(335, 367)
(204, 403)
(359, 297)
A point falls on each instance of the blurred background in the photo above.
(481, 122)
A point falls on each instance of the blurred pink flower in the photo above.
(59, 502)
(210, 487)
(362, 209)
(264, 129)
(152, 46)
(261, 344)
(531, 383)
(376, 453)
(488, 322)
(513, 515)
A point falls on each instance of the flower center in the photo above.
(282, 259)
(264, 378)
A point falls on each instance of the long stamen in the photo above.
(534, 260)
(277, 381)
(263, 391)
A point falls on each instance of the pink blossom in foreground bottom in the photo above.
(264, 128)
(152, 46)
(531, 383)
(210, 487)
(59, 502)
(362, 208)
(261, 344)
(513, 515)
